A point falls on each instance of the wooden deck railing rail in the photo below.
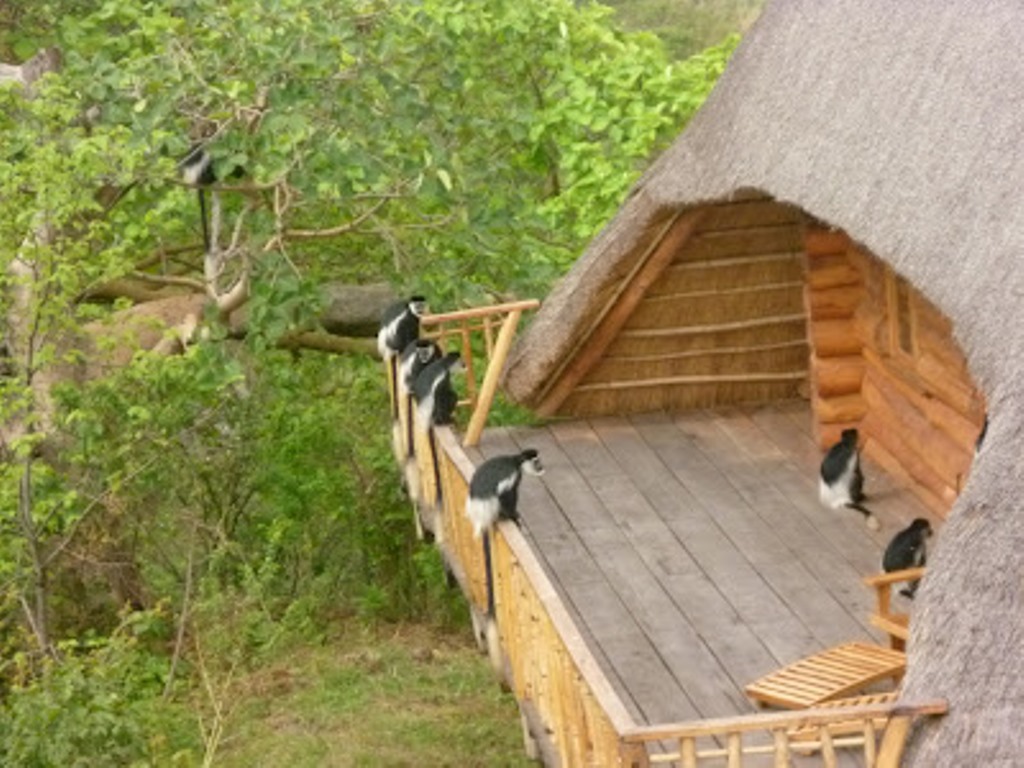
(498, 324)
(879, 730)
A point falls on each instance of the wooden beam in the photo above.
(745, 289)
(481, 311)
(894, 739)
(713, 352)
(491, 377)
(740, 378)
(697, 330)
(768, 721)
(737, 261)
(619, 308)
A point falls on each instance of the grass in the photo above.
(397, 696)
(687, 26)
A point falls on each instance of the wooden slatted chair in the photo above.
(895, 624)
(830, 674)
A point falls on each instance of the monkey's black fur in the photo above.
(433, 391)
(494, 488)
(841, 480)
(908, 549)
(400, 326)
(416, 356)
(197, 170)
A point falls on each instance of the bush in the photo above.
(99, 705)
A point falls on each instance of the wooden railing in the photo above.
(497, 324)
(877, 730)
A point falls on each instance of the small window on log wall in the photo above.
(901, 315)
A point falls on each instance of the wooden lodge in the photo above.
(834, 241)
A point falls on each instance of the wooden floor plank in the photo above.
(610, 620)
(684, 650)
(721, 558)
(762, 518)
(741, 653)
(774, 488)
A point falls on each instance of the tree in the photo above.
(465, 149)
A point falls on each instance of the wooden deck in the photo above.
(692, 551)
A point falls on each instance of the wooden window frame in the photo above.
(902, 315)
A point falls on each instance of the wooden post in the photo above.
(781, 748)
(490, 384)
(688, 750)
(870, 745)
(893, 741)
(634, 755)
(735, 750)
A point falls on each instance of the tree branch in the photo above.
(308, 234)
(188, 282)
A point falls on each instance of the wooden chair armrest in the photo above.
(885, 579)
(895, 625)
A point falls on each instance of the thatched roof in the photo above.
(901, 123)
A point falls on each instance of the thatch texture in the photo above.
(900, 123)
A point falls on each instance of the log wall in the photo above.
(884, 359)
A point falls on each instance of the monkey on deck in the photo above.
(908, 549)
(494, 489)
(842, 483)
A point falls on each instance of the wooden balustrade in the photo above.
(549, 664)
(877, 730)
(461, 325)
(464, 553)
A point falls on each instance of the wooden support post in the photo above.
(735, 750)
(781, 748)
(490, 384)
(635, 756)
(870, 746)
(893, 741)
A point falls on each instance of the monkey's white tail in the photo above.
(482, 513)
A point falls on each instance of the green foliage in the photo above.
(469, 149)
(466, 149)
(100, 705)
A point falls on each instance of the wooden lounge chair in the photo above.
(833, 673)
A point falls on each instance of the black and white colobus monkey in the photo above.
(433, 391)
(415, 357)
(494, 489)
(842, 483)
(400, 326)
(908, 549)
(197, 171)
